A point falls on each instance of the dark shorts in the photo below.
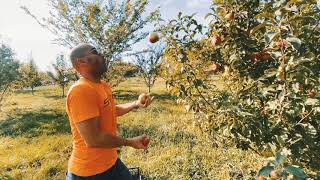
(118, 171)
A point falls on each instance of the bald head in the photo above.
(80, 51)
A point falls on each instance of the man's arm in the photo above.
(123, 109)
(95, 138)
(144, 100)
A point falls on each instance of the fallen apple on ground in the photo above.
(146, 141)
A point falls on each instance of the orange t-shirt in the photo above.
(86, 100)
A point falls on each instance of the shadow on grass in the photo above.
(125, 95)
(32, 124)
(55, 97)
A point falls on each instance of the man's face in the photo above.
(95, 62)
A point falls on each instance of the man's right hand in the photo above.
(95, 138)
(139, 142)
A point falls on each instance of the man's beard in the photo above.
(101, 70)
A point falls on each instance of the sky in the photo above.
(23, 34)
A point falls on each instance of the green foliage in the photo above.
(280, 168)
(267, 54)
(35, 140)
(119, 71)
(9, 70)
(63, 73)
(30, 75)
(111, 26)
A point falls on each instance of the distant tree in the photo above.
(149, 64)
(9, 70)
(45, 79)
(73, 74)
(62, 74)
(119, 71)
(29, 75)
(131, 70)
(111, 26)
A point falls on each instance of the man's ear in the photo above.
(82, 61)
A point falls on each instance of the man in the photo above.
(92, 114)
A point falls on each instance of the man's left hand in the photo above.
(144, 100)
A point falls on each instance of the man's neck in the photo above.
(91, 78)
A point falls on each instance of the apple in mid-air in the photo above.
(153, 37)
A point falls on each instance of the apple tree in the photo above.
(9, 71)
(252, 75)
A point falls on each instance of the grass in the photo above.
(35, 139)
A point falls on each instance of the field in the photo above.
(35, 139)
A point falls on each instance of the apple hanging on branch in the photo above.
(214, 68)
(312, 93)
(263, 55)
(230, 16)
(215, 39)
(282, 43)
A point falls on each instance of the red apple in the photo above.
(215, 40)
(256, 57)
(146, 141)
(215, 67)
(274, 175)
(301, 87)
(312, 93)
(265, 54)
(153, 37)
(282, 43)
(229, 16)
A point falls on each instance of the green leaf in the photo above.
(265, 14)
(265, 171)
(258, 27)
(280, 158)
(318, 4)
(270, 36)
(296, 172)
(209, 14)
(277, 4)
(296, 42)
(269, 73)
(198, 82)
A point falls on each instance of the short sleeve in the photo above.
(109, 91)
(83, 103)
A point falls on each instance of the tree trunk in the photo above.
(149, 84)
(2, 94)
(32, 89)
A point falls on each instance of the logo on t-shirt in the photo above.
(106, 102)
